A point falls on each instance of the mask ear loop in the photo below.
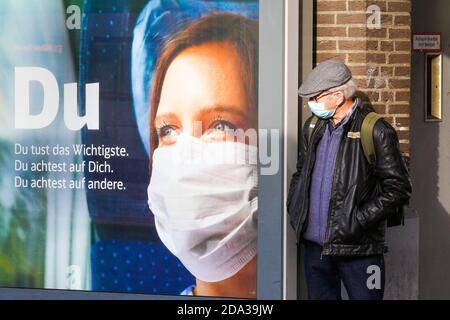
(340, 104)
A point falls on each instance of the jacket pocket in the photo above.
(349, 230)
(352, 232)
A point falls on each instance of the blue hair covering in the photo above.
(159, 20)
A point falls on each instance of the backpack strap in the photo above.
(367, 136)
(311, 127)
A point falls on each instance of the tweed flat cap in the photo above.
(327, 75)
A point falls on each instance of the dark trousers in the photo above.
(363, 277)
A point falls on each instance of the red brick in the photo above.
(387, 96)
(357, 58)
(404, 6)
(399, 58)
(354, 32)
(374, 96)
(331, 32)
(330, 55)
(372, 45)
(379, 108)
(358, 45)
(403, 71)
(399, 33)
(403, 45)
(379, 83)
(364, 32)
(387, 19)
(326, 45)
(402, 122)
(367, 57)
(331, 6)
(357, 6)
(399, 83)
(387, 45)
(325, 19)
(402, 20)
(399, 109)
(377, 33)
(362, 83)
(402, 96)
(387, 71)
(363, 71)
(351, 18)
(363, 5)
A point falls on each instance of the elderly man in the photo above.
(339, 200)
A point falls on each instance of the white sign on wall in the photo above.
(427, 42)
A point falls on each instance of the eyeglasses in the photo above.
(321, 96)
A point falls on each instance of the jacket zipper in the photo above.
(321, 186)
(332, 200)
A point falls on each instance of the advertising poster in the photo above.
(128, 146)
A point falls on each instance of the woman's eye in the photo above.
(166, 131)
(223, 126)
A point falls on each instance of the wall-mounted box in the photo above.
(433, 87)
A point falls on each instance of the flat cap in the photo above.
(327, 75)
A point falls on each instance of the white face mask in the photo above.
(204, 199)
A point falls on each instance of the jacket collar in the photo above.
(356, 111)
(356, 104)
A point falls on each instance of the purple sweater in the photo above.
(322, 181)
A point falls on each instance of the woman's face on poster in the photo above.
(204, 95)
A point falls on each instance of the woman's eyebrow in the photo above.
(205, 111)
(169, 116)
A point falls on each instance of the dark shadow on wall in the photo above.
(403, 257)
(434, 232)
(429, 164)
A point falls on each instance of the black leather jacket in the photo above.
(362, 195)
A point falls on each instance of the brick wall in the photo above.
(379, 58)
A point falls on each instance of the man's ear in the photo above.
(340, 99)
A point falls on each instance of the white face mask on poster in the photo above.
(204, 196)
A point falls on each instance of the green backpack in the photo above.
(366, 137)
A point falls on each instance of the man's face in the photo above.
(331, 100)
